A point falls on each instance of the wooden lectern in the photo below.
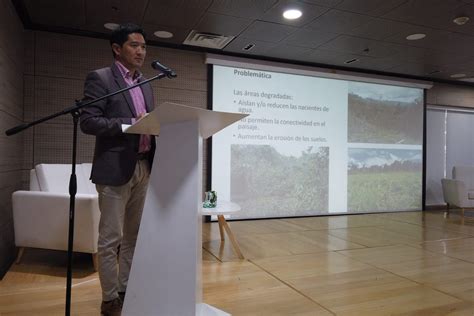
(165, 278)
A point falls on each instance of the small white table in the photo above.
(225, 208)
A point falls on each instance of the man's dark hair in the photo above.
(120, 34)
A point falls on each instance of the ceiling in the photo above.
(330, 32)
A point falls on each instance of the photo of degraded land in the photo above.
(384, 114)
(384, 180)
(266, 183)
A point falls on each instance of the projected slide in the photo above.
(384, 114)
(279, 185)
(384, 179)
(314, 145)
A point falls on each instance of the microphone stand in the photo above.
(75, 112)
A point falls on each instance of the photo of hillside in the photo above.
(384, 180)
(384, 114)
(266, 183)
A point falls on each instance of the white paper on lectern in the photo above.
(148, 125)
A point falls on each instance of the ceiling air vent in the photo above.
(209, 40)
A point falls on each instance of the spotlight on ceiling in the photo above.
(111, 26)
(292, 14)
(469, 79)
(457, 76)
(163, 34)
(415, 37)
(461, 20)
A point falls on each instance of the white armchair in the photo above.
(41, 215)
(459, 191)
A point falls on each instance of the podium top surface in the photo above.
(210, 122)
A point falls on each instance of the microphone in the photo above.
(167, 71)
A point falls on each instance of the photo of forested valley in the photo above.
(266, 183)
(384, 180)
(384, 114)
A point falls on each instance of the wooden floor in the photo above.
(411, 263)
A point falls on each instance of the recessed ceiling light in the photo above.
(415, 37)
(248, 47)
(458, 76)
(163, 34)
(350, 61)
(111, 26)
(292, 14)
(461, 20)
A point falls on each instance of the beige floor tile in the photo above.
(47, 297)
(348, 287)
(334, 222)
(207, 256)
(210, 230)
(263, 227)
(255, 246)
(449, 275)
(388, 254)
(421, 233)
(268, 245)
(455, 309)
(434, 219)
(372, 236)
(301, 266)
(291, 243)
(399, 298)
(328, 242)
(458, 248)
(244, 289)
(369, 291)
(416, 217)
(467, 228)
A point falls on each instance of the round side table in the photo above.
(225, 208)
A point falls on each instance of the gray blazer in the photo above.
(115, 154)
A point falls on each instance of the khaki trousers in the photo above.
(121, 210)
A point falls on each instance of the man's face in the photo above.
(132, 53)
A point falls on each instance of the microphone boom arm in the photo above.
(80, 105)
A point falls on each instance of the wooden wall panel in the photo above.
(66, 56)
(11, 76)
(28, 116)
(53, 144)
(450, 95)
(11, 114)
(29, 55)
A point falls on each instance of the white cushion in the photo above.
(85, 170)
(34, 184)
(466, 175)
(55, 178)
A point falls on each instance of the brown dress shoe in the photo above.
(111, 308)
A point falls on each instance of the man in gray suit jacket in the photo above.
(122, 162)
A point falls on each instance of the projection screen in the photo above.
(314, 145)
